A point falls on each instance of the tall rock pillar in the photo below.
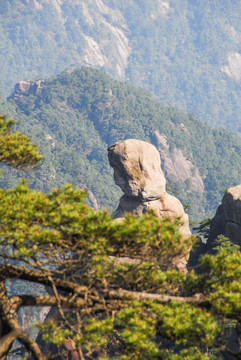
(137, 171)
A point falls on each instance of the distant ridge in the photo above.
(186, 53)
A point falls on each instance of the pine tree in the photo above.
(113, 285)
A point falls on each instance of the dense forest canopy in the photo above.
(187, 53)
(74, 117)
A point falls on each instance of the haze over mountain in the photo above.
(187, 53)
(182, 63)
(75, 116)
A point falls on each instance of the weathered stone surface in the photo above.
(227, 220)
(23, 88)
(233, 69)
(233, 341)
(137, 171)
(176, 166)
(166, 206)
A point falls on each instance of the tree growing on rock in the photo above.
(115, 289)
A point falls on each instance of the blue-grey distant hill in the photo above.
(187, 53)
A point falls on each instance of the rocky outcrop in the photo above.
(23, 88)
(97, 51)
(92, 199)
(32, 4)
(38, 4)
(227, 220)
(137, 171)
(176, 166)
(233, 68)
(163, 10)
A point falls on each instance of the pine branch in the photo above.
(121, 294)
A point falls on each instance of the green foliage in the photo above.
(224, 271)
(192, 353)
(35, 220)
(53, 333)
(59, 223)
(187, 324)
(15, 148)
(114, 284)
(138, 333)
(223, 242)
(203, 228)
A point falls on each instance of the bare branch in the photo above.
(47, 300)
(197, 299)
(30, 344)
(6, 342)
(12, 271)
(235, 354)
(9, 315)
(18, 272)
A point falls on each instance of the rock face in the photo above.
(23, 88)
(176, 166)
(233, 69)
(137, 171)
(97, 51)
(227, 220)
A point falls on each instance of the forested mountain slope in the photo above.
(74, 117)
(187, 53)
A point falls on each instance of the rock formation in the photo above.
(137, 171)
(227, 220)
(175, 165)
(233, 69)
(24, 88)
